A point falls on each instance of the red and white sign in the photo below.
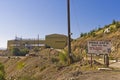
(99, 47)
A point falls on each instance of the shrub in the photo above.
(36, 49)
(112, 29)
(42, 68)
(114, 22)
(93, 34)
(20, 65)
(63, 57)
(23, 52)
(77, 58)
(26, 77)
(106, 26)
(83, 34)
(99, 28)
(2, 72)
(15, 51)
(54, 60)
(117, 25)
(19, 52)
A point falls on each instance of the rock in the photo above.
(104, 69)
(76, 73)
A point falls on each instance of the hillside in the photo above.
(41, 68)
(80, 45)
(52, 64)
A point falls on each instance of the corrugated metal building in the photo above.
(56, 41)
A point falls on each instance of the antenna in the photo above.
(38, 40)
(15, 37)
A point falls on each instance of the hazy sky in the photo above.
(28, 18)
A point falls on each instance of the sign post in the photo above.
(106, 60)
(100, 47)
(91, 61)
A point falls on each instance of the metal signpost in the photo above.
(100, 47)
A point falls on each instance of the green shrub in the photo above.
(77, 58)
(54, 60)
(114, 22)
(63, 57)
(117, 25)
(99, 28)
(106, 26)
(2, 72)
(19, 52)
(93, 34)
(83, 34)
(36, 49)
(112, 29)
(15, 51)
(23, 52)
(20, 65)
(42, 68)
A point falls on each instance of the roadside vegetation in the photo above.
(96, 32)
(2, 72)
(19, 52)
(53, 64)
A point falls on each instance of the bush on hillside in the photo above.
(117, 25)
(26, 77)
(92, 33)
(15, 51)
(112, 29)
(99, 28)
(83, 34)
(114, 22)
(23, 52)
(36, 49)
(77, 58)
(20, 65)
(106, 26)
(2, 72)
(19, 52)
(54, 60)
(63, 57)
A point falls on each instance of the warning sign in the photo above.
(99, 47)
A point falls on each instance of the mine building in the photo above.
(57, 41)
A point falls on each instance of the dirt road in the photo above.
(115, 65)
(97, 75)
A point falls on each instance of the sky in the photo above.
(28, 18)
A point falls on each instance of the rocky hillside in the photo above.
(109, 32)
(43, 66)
(46, 67)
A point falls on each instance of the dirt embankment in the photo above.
(40, 68)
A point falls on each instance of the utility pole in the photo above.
(69, 33)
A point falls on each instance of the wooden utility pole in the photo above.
(69, 33)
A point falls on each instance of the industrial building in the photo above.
(57, 41)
